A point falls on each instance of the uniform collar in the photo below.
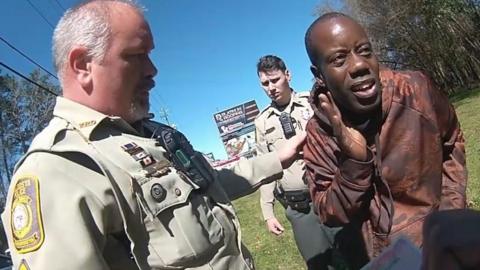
(294, 101)
(86, 119)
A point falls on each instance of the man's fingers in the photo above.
(334, 105)
(274, 226)
(327, 107)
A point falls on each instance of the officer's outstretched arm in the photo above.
(248, 175)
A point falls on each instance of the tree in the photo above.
(437, 36)
(25, 109)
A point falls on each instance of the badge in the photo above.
(23, 265)
(26, 218)
(306, 114)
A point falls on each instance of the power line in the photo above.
(28, 58)
(41, 14)
(60, 5)
(28, 79)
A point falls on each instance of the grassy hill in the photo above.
(271, 252)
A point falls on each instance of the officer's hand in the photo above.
(291, 151)
(451, 240)
(274, 226)
(350, 141)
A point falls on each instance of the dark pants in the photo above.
(314, 240)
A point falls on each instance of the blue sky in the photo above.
(206, 52)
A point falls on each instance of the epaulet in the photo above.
(303, 98)
(46, 138)
(304, 94)
(263, 111)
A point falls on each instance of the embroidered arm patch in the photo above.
(26, 218)
(23, 265)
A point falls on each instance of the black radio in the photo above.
(287, 125)
(183, 156)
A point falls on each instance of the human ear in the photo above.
(80, 63)
(318, 75)
(288, 75)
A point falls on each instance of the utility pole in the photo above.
(164, 116)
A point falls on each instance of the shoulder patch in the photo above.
(25, 216)
(23, 265)
(304, 94)
(307, 113)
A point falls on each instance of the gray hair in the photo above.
(88, 25)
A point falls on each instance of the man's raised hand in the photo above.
(350, 140)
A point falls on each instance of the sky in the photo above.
(205, 52)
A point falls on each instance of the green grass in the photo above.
(467, 105)
(269, 251)
(280, 252)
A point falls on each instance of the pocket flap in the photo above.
(166, 191)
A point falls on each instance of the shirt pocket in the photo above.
(274, 140)
(179, 220)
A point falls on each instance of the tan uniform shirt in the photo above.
(91, 193)
(270, 137)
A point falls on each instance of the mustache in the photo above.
(147, 84)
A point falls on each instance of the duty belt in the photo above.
(297, 199)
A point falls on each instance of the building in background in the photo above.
(237, 129)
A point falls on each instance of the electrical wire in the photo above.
(28, 79)
(26, 56)
(60, 5)
(41, 14)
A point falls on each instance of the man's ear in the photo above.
(80, 64)
(288, 75)
(318, 75)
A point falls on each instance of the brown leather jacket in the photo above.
(418, 148)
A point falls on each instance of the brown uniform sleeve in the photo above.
(454, 174)
(338, 185)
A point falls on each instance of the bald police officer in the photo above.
(276, 125)
(103, 188)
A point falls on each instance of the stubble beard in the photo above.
(139, 109)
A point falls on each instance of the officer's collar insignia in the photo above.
(87, 124)
(138, 154)
(23, 265)
(270, 130)
(26, 217)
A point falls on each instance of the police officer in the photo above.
(276, 125)
(103, 188)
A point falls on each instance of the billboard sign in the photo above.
(236, 118)
(237, 129)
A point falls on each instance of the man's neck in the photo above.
(368, 124)
(283, 106)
